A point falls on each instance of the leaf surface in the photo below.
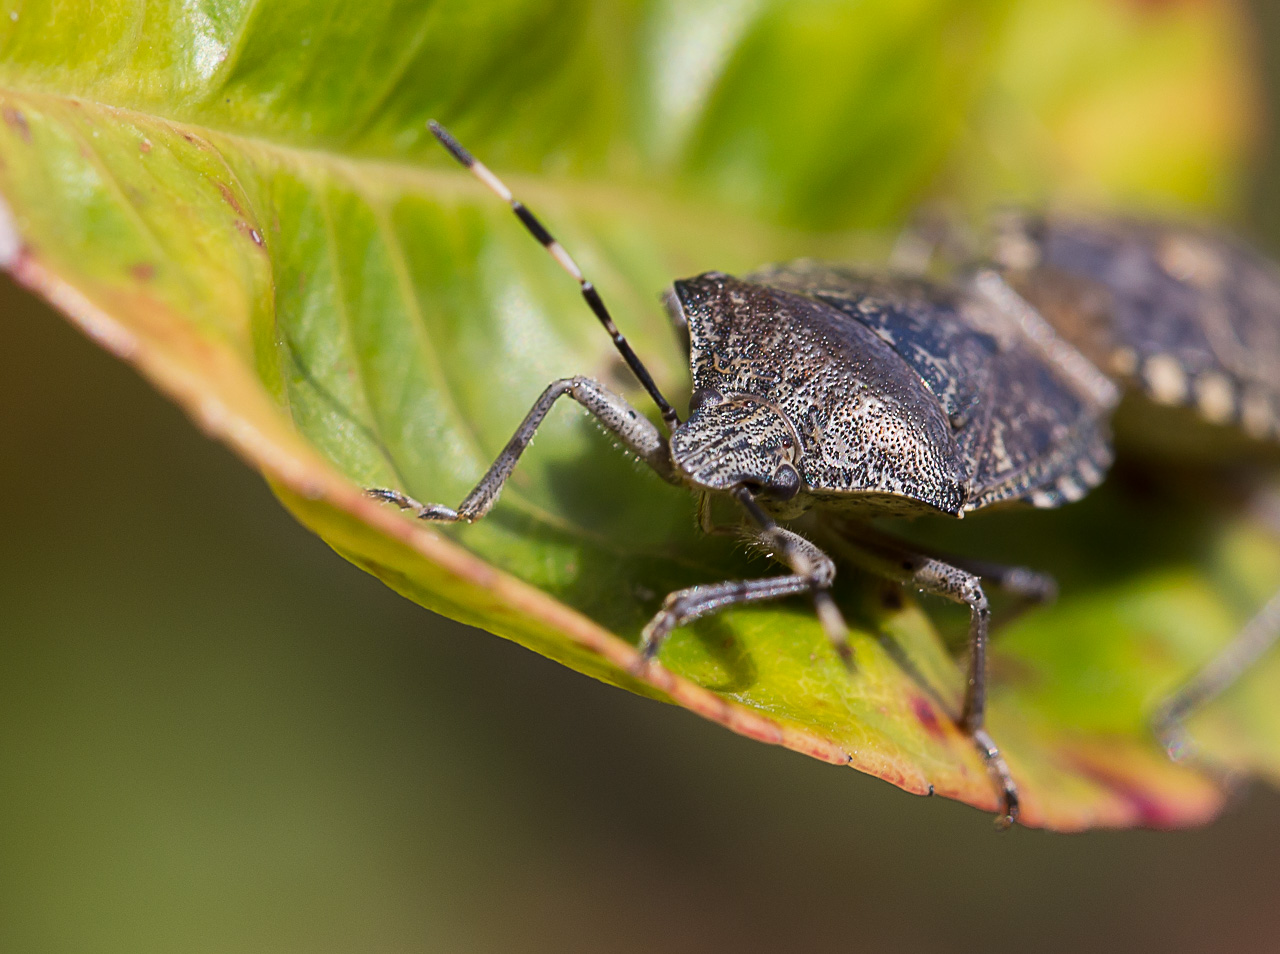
(242, 199)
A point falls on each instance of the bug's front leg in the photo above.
(631, 427)
(813, 572)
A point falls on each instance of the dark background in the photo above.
(216, 735)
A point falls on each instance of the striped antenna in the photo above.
(539, 231)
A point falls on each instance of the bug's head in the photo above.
(737, 440)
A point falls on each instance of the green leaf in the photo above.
(242, 199)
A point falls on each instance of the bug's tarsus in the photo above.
(1168, 724)
(558, 252)
(436, 512)
(996, 765)
(834, 626)
(1170, 728)
(1224, 670)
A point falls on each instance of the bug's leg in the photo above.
(942, 579)
(812, 573)
(1027, 587)
(1254, 641)
(1250, 645)
(898, 561)
(631, 427)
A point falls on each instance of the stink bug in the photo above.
(1188, 322)
(820, 387)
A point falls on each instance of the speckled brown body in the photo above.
(899, 395)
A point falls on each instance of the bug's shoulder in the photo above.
(927, 324)
(866, 420)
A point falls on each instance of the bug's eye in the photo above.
(704, 396)
(785, 483)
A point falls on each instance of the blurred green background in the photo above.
(217, 736)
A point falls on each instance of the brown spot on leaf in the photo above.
(144, 146)
(1139, 795)
(18, 121)
(230, 197)
(143, 271)
(927, 716)
(1148, 810)
(196, 140)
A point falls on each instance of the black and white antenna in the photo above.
(539, 232)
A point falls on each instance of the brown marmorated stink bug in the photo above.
(817, 386)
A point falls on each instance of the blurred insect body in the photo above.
(817, 386)
(1188, 320)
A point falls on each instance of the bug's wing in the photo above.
(1026, 428)
(1188, 316)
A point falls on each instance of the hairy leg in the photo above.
(1028, 587)
(812, 573)
(631, 427)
